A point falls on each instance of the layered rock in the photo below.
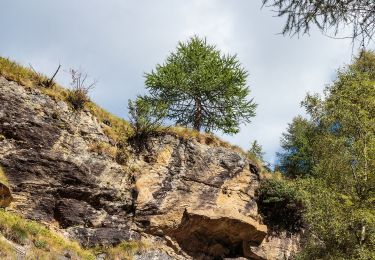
(201, 196)
(196, 200)
(52, 174)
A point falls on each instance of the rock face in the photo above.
(197, 199)
(199, 195)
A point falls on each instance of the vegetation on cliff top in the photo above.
(117, 129)
(199, 87)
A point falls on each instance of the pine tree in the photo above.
(202, 88)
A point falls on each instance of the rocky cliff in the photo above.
(188, 200)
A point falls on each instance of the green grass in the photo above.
(46, 244)
(44, 241)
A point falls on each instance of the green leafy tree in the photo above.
(297, 157)
(328, 16)
(338, 142)
(202, 88)
(347, 127)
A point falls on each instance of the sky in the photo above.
(117, 41)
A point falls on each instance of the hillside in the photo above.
(80, 175)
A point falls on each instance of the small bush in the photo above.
(40, 244)
(78, 98)
(18, 234)
(280, 205)
(146, 117)
(78, 95)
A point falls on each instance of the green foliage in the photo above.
(329, 16)
(280, 205)
(40, 244)
(345, 143)
(202, 88)
(338, 144)
(335, 223)
(256, 151)
(146, 116)
(297, 158)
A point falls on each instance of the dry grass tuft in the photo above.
(203, 138)
(103, 148)
(126, 250)
(6, 250)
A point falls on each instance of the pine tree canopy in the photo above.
(202, 88)
(330, 16)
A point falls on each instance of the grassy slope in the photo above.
(43, 242)
(118, 128)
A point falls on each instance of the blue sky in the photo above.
(117, 41)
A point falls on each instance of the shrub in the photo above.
(40, 244)
(335, 223)
(145, 117)
(280, 205)
(78, 95)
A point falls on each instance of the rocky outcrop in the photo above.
(199, 195)
(52, 174)
(196, 200)
(276, 246)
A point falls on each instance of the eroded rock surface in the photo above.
(197, 199)
(200, 195)
(53, 175)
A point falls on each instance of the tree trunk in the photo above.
(197, 115)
